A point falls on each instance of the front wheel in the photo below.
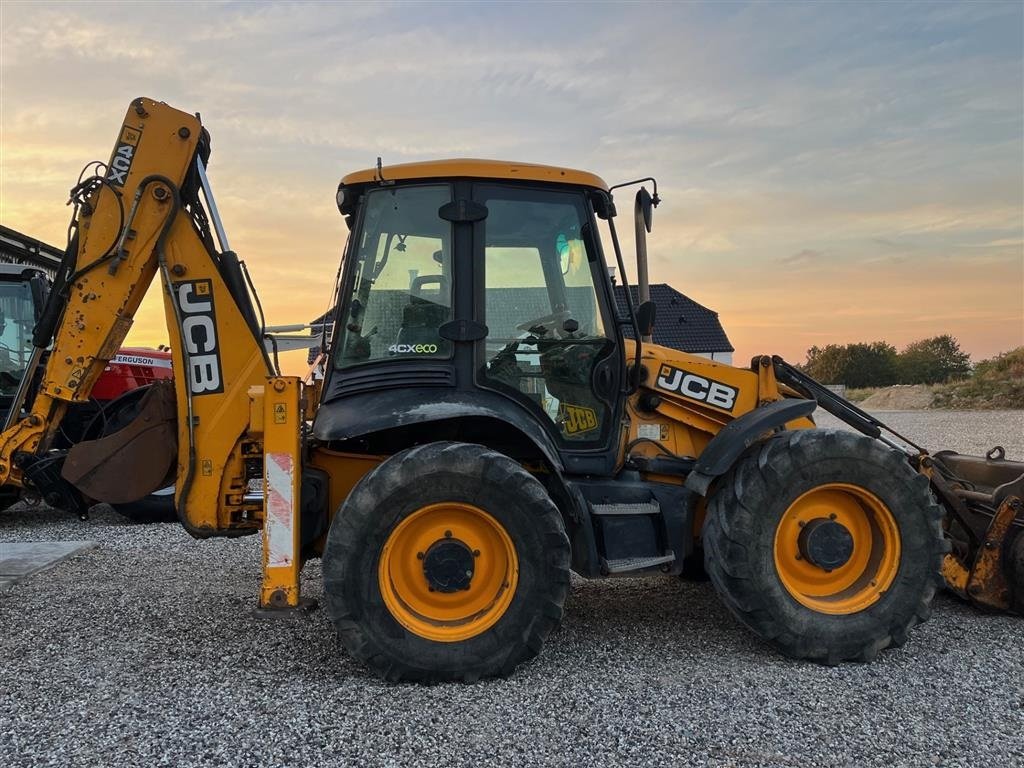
(826, 544)
(447, 562)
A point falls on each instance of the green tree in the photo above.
(827, 364)
(855, 365)
(933, 361)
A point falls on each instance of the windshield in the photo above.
(402, 285)
(17, 318)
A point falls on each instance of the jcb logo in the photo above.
(697, 387)
(199, 335)
(576, 419)
(124, 154)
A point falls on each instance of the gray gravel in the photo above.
(144, 652)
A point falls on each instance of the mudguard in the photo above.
(365, 413)
(725, 447)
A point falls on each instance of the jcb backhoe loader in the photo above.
(488, 422)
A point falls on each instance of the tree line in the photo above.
(878, 364)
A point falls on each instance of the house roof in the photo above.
(680, 322)
(17, 248)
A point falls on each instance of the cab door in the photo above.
(551, 338)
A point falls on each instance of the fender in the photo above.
(725, 447)
(362, 414)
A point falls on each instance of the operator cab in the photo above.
(482, 278)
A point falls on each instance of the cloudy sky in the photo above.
(830, 172)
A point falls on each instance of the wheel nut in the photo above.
(447, 534)
(476, 553)
(419, 555)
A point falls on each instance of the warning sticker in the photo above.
(649, 431)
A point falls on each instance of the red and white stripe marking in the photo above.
(280, 509)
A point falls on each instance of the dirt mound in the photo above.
(902, 397)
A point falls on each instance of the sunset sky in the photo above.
(830, 172)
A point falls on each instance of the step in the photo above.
(637, 563)
(643, 508)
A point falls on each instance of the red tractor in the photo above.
(131, 368)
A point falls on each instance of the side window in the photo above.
(402, 287)
(545, 333)
(17, 318)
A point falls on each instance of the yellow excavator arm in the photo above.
(141, 216)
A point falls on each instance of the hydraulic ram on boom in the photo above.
(140, 217)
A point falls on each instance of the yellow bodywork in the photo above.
(684, 422)
(476, 169)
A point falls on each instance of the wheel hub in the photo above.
(826, 543)
(448, 566)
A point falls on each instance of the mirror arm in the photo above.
(654, 183)
(634, 379)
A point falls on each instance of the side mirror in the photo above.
(39, 284)
(645, 315)
(645, 205)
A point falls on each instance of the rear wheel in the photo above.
(9, 497)
(157, 507)
(826, 544)
(447, 562)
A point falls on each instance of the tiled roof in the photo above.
(680, 322)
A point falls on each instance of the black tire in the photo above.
(408, 481)
(154, 508)
(739, 541)
(9, 496)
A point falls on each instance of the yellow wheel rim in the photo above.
(428, 543)
(873, 560)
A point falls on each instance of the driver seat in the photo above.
(421, 317)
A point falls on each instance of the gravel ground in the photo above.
(144, 652)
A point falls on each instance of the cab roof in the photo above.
(477, 169)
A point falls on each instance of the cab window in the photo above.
(401, 290)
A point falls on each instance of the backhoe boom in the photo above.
(142, 217)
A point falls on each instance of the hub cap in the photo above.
(825, 543)
(837, 549)
(448, 566)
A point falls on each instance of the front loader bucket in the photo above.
(133, 461)
(984, 496)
